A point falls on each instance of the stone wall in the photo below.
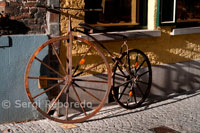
(25, 14)
(24, 17)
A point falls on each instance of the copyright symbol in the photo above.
(6, 104)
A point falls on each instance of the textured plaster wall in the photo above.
(77, 16)
(168, 49)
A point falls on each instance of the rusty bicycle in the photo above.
(68, 78)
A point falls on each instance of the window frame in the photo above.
(137, 22)
(174, 13)
(174, 22)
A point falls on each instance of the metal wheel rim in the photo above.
(38, 108)
(147, 91)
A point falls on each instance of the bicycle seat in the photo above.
(89, 27)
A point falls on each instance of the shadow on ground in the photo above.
(146, 106)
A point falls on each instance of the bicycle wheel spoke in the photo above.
(88, 92)
(59, 60)
(62, 90)
(50, 88)
(143, 74)
(134, 95)
(49, 67)
(129, 63)
(88, 69)
(67, 108)
(63, 69)
(79, 100)
(140, 65)
(123, 65)
(121, 71)
(143, 82)
(79, 63)
(124, 83)
(85, 80)
(140, 90)
(120, 75)
(123, 91)
(46, 78)
(136, 62)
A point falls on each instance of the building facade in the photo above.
(168, 31)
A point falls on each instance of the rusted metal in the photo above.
(79, 100)
(87, 92)
(88, 69)
(47, 78)
(49, 67)
(62, 90)
(59, 60)
(86, 80)
(81, 59)
(71, 80)
(50, 88)
(66, 80)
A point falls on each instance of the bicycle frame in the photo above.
(114, 58)
(68, 82)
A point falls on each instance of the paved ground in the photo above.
(178, 112)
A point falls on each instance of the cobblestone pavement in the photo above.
(178, 112)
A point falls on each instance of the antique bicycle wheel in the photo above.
(60, 97)
(132, 78)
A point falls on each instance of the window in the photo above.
(168, 11)
(188, 10)
(180, 11)
(117, 12)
